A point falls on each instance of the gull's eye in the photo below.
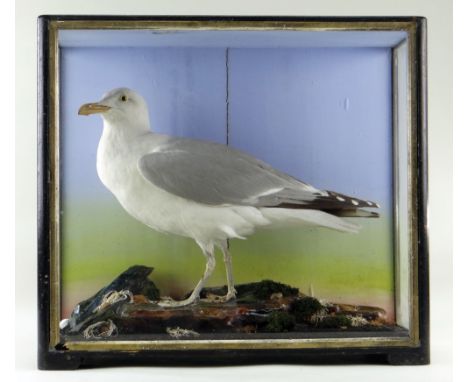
(123, 98)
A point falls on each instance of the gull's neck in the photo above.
(124, 130)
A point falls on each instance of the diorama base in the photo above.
(127, 310)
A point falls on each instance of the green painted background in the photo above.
(99, 240)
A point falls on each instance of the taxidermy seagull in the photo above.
(203, 190)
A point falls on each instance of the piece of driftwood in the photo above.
(129, 306)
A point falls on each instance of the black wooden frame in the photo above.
(59, 357)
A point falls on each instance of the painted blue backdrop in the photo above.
(323, 115)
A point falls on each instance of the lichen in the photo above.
(101, 329)
(358, 321)
(178, 332)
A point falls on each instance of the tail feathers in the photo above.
(328, 201)
(354, 213)
(284, 217)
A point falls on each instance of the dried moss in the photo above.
(304, 308)
(264, 289)
(280, 322)
(253, 292)
(335, 322)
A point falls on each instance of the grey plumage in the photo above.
(214, 174)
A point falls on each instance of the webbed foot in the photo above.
(168, 302)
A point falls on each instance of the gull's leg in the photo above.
(231, 292)
(195, 295)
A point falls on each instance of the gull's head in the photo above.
(120, 106)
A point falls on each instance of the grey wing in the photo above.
(214, 174)
(210, 180)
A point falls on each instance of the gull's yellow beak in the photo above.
(92, 108)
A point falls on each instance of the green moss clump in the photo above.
(280, 322)
(264, 289)
(304, 308)
(335, 322)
